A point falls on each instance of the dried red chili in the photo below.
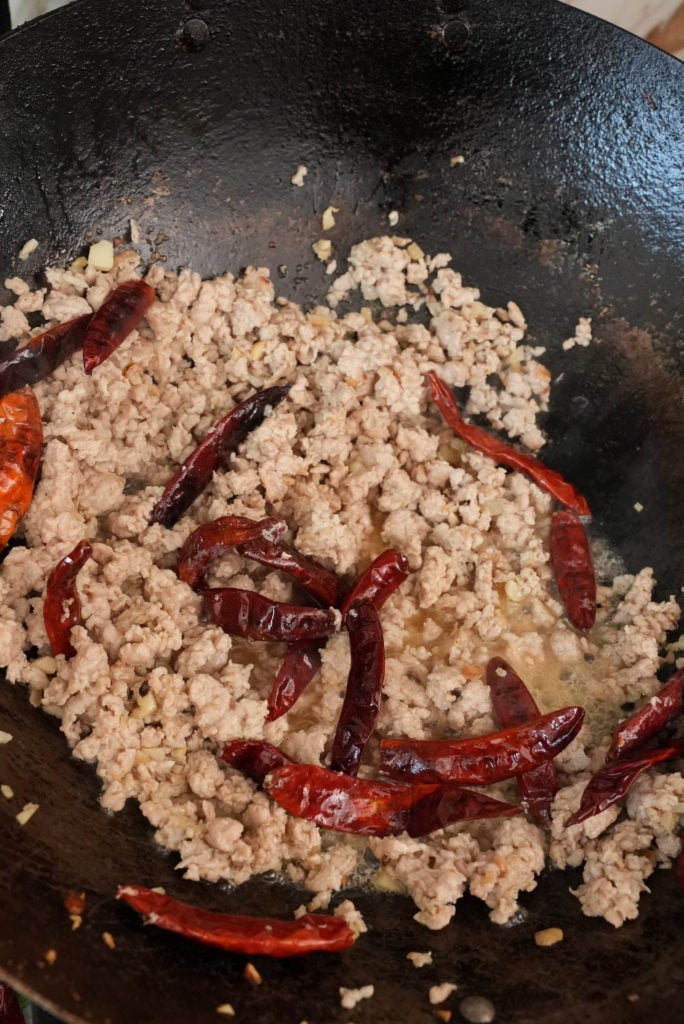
(364, 687)
(573, 568)
(503, 453)
(248, 614)
(192, 477)
(382, 577)
(254, 758)
(9, 1006)
(321, 583)
(345, 803)
(645, 723)
(300, 664)
(616, 778)
(119, 314)
(238, 933)
(40, 356)
(207, 542)
(62, 607)
(21, 440)
(481, 760)
(513, 704)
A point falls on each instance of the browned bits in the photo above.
(251, 974)
(51, 956)
(75, 902)
(548, 936)
(444, 1015)
(109, 940)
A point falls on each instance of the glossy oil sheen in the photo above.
(569, 201)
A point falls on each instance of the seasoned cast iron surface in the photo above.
(192, 119)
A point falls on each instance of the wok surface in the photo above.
(569, 201)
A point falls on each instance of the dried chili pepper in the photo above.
(9, 1006)
(481, 760)
(192, 477)
(119, 314)
(645, 723)
(248, 614)
(62, 608)
(503, 453)
(344, 803)
(364, 687)
(42, 354)
(382, 577)
(21, 440)
(573, 568)
(208, 541)
(320, 582)
(616, 778)
(513, 704)
(237, 933)
(300, 664)
(254, 758)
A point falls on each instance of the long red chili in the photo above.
(248, 614)
(21, 440)
(345, 803)
(502, 453)
(9, 1006)
(42, 354)
(320, 582)
(615, 779)
(645, 723)
(254, 758)
(382, 577)
(513, 704)
(301, 663)
(481, 760)
(267, 936)
(573, 568)
(118, 315)
(188, 482)
(62, 607)
(207, 542)
(364, 688)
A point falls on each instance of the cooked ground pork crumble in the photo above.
(355, 460)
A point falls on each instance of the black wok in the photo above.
(191, 117)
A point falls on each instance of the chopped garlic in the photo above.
(349, 997)
(28, 248)
(438, 993)
(393, 218)
(323, 249)
(456, 160)
(7, 791)
(328, 218)
(101, 255)
(386, 882)
(299, 175)
(47, 665)
(78, 265)
(5, 737)
(109, 940)
(134, 229)
(419, 959)
(147, 705)
(638, 507)
(257, 351)
(26, 813)
(548, 936)
(513, 591)
(76, 921)
(251, 974)
(331, 267)
(414, 251)
(226, 1009)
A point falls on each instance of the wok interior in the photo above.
(566, 202)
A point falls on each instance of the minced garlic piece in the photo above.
(6, 791)
(328, 218)
(109, 940)
(26, 813)
(323, 249)
(76, 921)
(456, 160)
(5, 737)
(419, 959)
(251, 974)
(101, 255)
(414, 251)
(79, 264)
(393, 218)
(147, 705)
(548, 936)
(47, 665)
(226, 1009)
(513, 591)
(638, 507)
(134, 230)
(27, 248)
(257, 351)
(438, 993)
(299, 175)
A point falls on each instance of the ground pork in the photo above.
(355, 459)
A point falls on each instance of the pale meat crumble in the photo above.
(356, 459)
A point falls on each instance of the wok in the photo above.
(192, 117)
